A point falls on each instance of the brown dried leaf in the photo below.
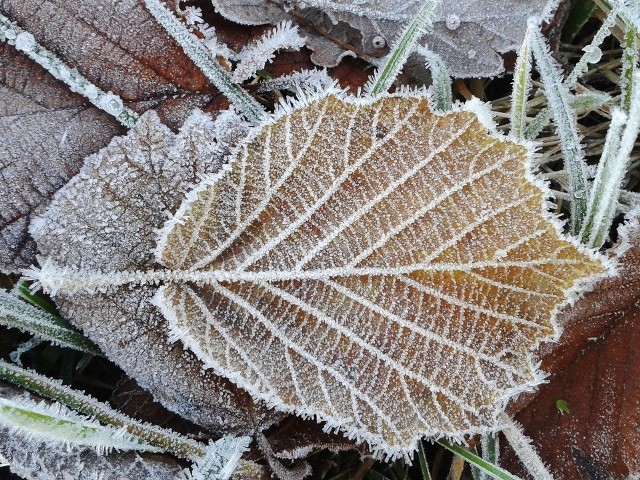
(373, 264)
(45, 133)
(116, 44)
(595, 368)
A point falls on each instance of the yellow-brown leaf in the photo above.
(376, 265)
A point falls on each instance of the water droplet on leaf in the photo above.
(452, 22)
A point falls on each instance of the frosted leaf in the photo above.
(457, 25)
(46, 132)
(106, 218)
(595, 369)
(117, 45)
(343, 267)
(255, 56)
(34, 458)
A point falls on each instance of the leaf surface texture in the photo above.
(470, 36)
(379, 266)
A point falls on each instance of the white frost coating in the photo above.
(520, 88)
(611, 170)
(591, 50)
(57, 424)
(441, 87)
(220, 461)
(15, 313)
(256, 55)
(452, 22)
(207, 63)
(523, 448)
(565, 120)
(299, 81)
(25, 42)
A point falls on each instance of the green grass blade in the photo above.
(442, 96)
(424, 466)
(521, 87)
(165, 439)
(15, 313)
(395, 60)
(493, 470)
(629, 67)
(55, 423)
(611, 170)
(196, 51)
(579, 15)
(567, 128)
(591, 53)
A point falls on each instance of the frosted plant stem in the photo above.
(441, 86)
(521, 445)
(611, 170)
(203, 58)
(608, 178)
(490, 452)
(56, 423)
(567, 128)
(591, 53)
(395, 60)
(24, 42)
(521, 87)
(493, 470)
(15, 313)
(629, 67)
(166, 439)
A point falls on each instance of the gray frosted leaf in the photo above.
(33, 458)
(470, 36)
(45, 132)
(106, 219)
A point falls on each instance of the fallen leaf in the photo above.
(46, 133)
(106, 218)
(47, 130)
(378, 266)
(595, 369)
(470, 37)
(115, 44)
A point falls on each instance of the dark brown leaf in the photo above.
(595, 368)
(116, 44)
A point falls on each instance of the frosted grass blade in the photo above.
(203, 58)
(25, 42)
(521, 87)
(15, 313)
(395, 60)
(567, 128)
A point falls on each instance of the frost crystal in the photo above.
(256, 55)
